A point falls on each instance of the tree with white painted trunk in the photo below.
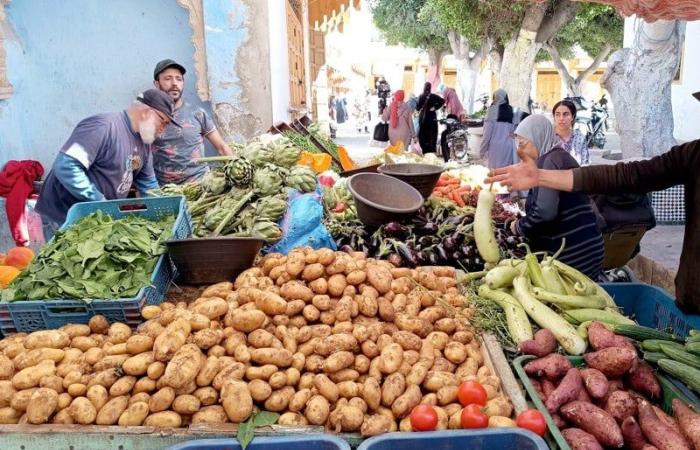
(639, 80)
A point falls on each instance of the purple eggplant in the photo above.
(423, 257)
(429, 228)
(441, 253)
(456, 256)
(395, 259)
(395, 229)
(449, 243)
(408, 255)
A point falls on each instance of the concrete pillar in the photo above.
(279, 60)
(236, 34)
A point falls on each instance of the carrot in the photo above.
(460, 200)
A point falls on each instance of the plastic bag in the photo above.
(302, 225)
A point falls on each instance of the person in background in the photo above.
(553, 216)
(341, 111)
(573, 141)
(360, 113)
(104, 155)
(399, 115)
(427, 104)
(452, 104)
(175, 152)
(678, 166)
(383, 93)
(497, 140)
(331, 107)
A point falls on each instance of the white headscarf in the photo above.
(499, 98)
(538, 130)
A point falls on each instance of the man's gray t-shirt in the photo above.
(112, 155)
(175, 151)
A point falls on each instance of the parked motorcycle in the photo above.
(454, 141)
(592, 120)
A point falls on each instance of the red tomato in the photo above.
(424, 418)
(474, 417)
(532, 420)
(472, 392)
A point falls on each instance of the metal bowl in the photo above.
(381, 198)
(423, 177)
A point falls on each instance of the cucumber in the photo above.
(681, 356)
(688, 375)
(695, 338)
(654, 345)
(654, 357)
(694, 332)
(641, 333)
(693, 347)
(586, 314)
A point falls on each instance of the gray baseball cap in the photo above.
(159, 100)
(166, 64)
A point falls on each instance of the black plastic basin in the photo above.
(381, 198)
(423, 177)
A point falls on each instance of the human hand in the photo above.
(518, 177)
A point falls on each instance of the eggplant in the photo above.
(408, 255)
(467, 219)
(347, 249)
(441, 253)
(433, 259)
(395, 259)
(449, 243)
(456, 256)
(423, 257)
(429, 228)
(454, 220)
(425, 241)
(395, 229)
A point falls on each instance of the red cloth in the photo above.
(398, 99)
(16, 185)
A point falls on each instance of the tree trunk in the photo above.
(519, 59)
(434, 63)
(467, 68)
(645, 121)
(573, 85)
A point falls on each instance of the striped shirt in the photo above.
(554, 215)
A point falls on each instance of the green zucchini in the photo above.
(586, 314)
(688, 375)
(654, 357)
(693, 347)
(654, 345)
(681, 356)
(695, 338)
(641, 333)
(694, 332)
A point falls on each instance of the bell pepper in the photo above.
(345, 161)
(322, 161)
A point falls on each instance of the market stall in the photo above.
(372, 305)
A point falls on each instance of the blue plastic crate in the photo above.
(652, 307)
(306, 442)
(486, 439)
(28, 316)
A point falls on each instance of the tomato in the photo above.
(424, 418)
(532, 420)
(472, 392)
(474, 417)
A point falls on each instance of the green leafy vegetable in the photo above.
(246, 430)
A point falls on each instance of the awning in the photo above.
(652, 10)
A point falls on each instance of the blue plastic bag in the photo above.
(302, 225)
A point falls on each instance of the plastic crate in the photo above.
(669, 391)
(486, 439)
(28, 316)
(313, 442)
(652, 307)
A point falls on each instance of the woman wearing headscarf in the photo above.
(497, 140)
(551, 215)
(400, 117)
(452, 104)
(427, 104)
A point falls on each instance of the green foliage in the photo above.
(405, 22)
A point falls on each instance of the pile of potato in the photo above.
(321, 337)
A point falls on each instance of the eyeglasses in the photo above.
(164, 120)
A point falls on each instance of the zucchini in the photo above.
(586, 314)
(688, 375)
(695, 338)
(681, 356)
(693, 347)
(569, 301)
(654, 357)
(641, 333)
(654, 345)
(519, 326)
(694, 332)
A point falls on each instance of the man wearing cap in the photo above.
(174, 152)
(680, 165)
(104, 155)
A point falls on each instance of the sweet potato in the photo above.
(596, 383)
(552, 366)
(659, 434)
(632, 434)
(600, 338)
(612, 361)
(567, 391)
(621, 405)
(594, 421)
(689, 422)
(666, 419)
(542, 345)
(580, 440)
(642, 379)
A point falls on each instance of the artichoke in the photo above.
(215, 182)
(271, 208)
(286, 154)
(266, 182)
(266, 230)
(239, 171)
(302, 179)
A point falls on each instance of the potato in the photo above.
(278, 380)
(134, 415)
(380, 278)
(186, 404)
(279, 400)
(317, 410)
(437, 379)
(294, 290)
(98, 324)
(63, 417)
(150, 311)
(455, 352)
(13, 349)
(394, 385)
(292, 419)
(326, 387)
(184, 367)
(105, 378)
(31, 376)
(207, 395)
(218, 290)
(247, 321)
(9, 415)
(32, 358)
(82, 411)
(165, 419)
(206, 339)
(213, 414)
(94, 355)
(52, 382)
(161, 400)
(277, 357)
(97, 395)
(498, 406)
(501, 422)
(349, 389)
(47, 339)
(209, 370)
(112, 411)
(7, 391)
(391, 358)
(123, 386)
(110, 362)
(155, 370)
(299, 400)
(118, 333)
(403, 405)
(41, 406)
(338, 361)
(77, 389)
(237, 401)
(138, 344)
(138, 365)
(140, 397)
(212, 308)
(83, 343)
